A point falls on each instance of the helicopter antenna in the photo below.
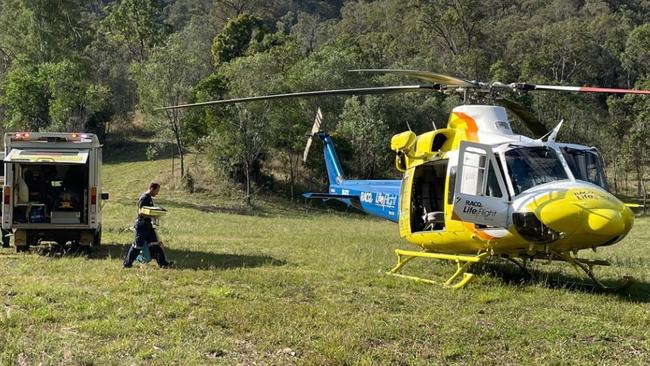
(433, 123)
(315, 128)
(551, 135)
(408, 125)
(555, 131)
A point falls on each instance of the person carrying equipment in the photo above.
(145, 234)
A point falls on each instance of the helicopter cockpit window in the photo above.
(532, 166)
(585, 165)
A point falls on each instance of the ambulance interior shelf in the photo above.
(47, 193)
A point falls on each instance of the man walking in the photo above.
(145, 234)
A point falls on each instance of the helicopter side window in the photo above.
(585, 165)
(479, 176)
(532, 166)
(473, 173)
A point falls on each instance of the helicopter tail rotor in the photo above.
(315, 128)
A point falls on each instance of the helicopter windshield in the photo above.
(532, 166)
(585, 165)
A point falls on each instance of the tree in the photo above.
(41, 30)
(166, 78)
(236, 37)
(635, 56)
(48, 81)
(632, 112)
(367, 136)
(24, 95)
(137, 25)
(52, 96)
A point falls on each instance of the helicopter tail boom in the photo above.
(375, 197)
(334, 169)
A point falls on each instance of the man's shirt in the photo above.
(145, 200)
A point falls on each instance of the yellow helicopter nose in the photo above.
(605, 221)
(560, 215)
(583, 211)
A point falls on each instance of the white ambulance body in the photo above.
(52, 188)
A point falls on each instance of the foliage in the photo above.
(635, 57)
(137, 25)
(235, 39)
(121, 51)
(166, 78)
(42, 31)
(23, 96)
(368, 137)
(52, 96)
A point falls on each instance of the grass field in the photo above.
(288, 284)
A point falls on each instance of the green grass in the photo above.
(289, 284)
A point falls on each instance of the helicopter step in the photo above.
(463, 262)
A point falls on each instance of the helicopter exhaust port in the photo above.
(532, 229)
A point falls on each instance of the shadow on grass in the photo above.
(275, 207)
(242, 211)
(511, 275)
(187, 259)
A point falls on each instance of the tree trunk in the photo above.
(248, 183)
(291, 176)
(181, 156)
(639, 175)
(616, 176)
(645, 197)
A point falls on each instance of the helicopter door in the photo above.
(480, 193)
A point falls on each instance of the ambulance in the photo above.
(52, 190)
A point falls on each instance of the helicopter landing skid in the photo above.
(462, 264)
(587, 265)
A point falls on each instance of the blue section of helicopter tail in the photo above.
(334, 170)
(375, 197)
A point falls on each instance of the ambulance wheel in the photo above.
(5, 239)
(22, 248)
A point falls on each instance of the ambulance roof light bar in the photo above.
(54, 137)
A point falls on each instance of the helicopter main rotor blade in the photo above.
(524, 114)
(565, 88)
(317, 93)
(588, 89)
(431, 77)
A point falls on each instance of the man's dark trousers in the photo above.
(144, 235)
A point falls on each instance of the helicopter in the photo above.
(476, 190)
